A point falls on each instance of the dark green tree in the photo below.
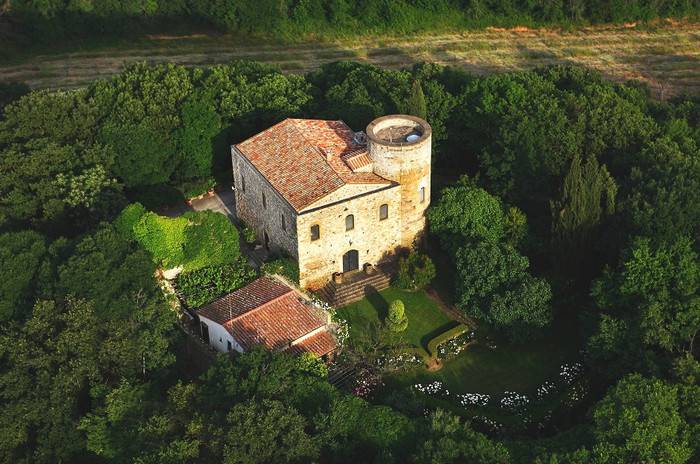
(21, 254)
(639, 421)
(416, 105)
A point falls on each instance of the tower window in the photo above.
(349, 222)
(284, 223)
(242, 183)
(264, 201)
(383, 212)
(421, 195)
(315, 232)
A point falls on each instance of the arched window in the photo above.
(349, 222)
(383, 212)
(315, 232)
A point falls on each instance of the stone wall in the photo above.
(408, 164)
(374, 239)
(249, 207)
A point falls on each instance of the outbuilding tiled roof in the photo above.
(269, 313)
(319, 343)
(303, 159)
(275, 324)
(253, 295)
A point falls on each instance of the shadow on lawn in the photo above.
(377, 301)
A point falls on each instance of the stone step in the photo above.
(360, 286)
(346, 293)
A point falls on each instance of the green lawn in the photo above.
(425, 319)
(478, 369)
(521, 368)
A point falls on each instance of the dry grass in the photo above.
(666, 57)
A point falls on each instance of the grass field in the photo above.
(666, 57)
(425, 319)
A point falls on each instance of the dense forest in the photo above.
(557, 195)
(295, 19)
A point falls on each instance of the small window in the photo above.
(315, 232)
(242, 183)
(284, 223)
(349, 222)
(264, 201)
(229, 347)
(383, 212)
(421, 195)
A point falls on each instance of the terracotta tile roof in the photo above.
(253, 295)
(357, 159)
(266, 312)
(303, 159)
(275, 324)
(319, 343)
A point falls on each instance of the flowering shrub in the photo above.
(570, 372)
(473, 399)
(366, 382)
(340, 326)
(545, 389)
(513, 401)
(432, 388)
(490, 424)
(399, 361)
(451, 348)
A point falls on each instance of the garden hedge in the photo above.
(445, 336)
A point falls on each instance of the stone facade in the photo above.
(275, 220)
(399, 149)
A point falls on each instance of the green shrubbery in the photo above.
(285, 267)
(249, 235)
(204, 285)
(162, 237)
(127, 220)
(396, 320)
(415, 272)
(193, 240)
(210, 239)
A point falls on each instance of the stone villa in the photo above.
(334, 199)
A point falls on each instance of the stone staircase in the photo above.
(354, 287)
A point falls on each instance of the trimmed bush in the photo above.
(163, 237)
(445, 336)
(285, 267)
(204, 285)
(128, 218)
(210, 240)
(396, 320)
(415, 272)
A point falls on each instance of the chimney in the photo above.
(328, 152)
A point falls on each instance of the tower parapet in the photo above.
(400, 148)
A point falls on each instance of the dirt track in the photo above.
(667, 58)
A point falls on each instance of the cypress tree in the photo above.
(416, 105)
(588, 195)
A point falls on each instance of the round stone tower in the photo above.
(399, 146)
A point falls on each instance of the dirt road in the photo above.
(666, 57)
